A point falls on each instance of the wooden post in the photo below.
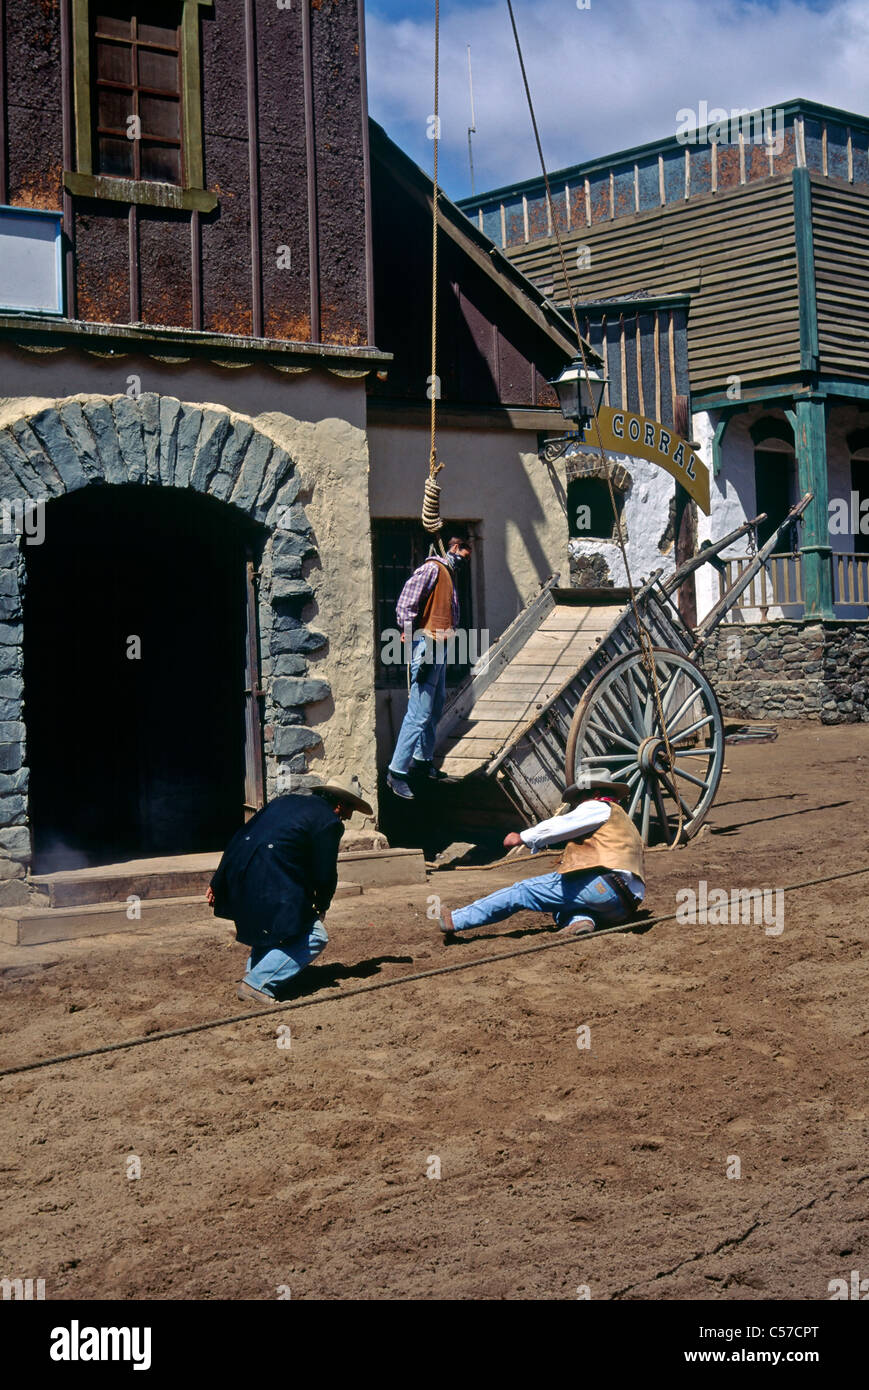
(811, 446)
(685, 526)
(686, 548)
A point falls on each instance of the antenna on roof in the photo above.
(472, 128)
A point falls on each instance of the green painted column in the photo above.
(811, 445)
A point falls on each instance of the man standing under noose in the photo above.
(428, 607)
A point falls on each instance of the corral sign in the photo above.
(624, 432)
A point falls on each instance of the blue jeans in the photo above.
(271, 966)
(416, 737)
(566, 896)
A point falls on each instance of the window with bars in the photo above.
(137, 98)
(400, 547)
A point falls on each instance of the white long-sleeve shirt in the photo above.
(577, 824)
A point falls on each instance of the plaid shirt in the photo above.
(420, 584)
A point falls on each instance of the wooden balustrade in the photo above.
(780, 583)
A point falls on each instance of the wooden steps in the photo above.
(167, 892)
(32, 926)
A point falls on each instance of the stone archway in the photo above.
(154, 441)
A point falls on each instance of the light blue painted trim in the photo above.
(58, 258)
(859, 389)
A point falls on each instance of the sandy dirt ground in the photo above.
(305, 1168)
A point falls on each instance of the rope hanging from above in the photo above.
(431, 508)
(647, 651)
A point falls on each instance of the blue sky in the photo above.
(602, 78)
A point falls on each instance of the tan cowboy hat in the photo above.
(332, 791)
(601, 782)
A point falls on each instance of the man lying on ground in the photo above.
(276, 880)
(598, 881)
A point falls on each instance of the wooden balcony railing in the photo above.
(851, 579)
(780, 583)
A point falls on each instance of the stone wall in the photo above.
(799, 669)
(49, 448)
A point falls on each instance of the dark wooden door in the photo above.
(254, 782)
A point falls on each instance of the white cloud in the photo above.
(602, 79)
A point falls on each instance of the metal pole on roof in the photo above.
(472, 128)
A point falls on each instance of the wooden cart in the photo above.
(565, 692)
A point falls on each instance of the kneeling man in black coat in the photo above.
(276, 880)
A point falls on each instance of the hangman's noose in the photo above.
(431, 511)
(646, 648)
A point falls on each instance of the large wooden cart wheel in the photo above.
(616, 725)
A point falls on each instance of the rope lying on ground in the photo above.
(292, 1005)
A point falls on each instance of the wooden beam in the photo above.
(809, 360)
(413, 413)
(484, 260)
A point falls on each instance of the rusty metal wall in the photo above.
(285, 253)
(283, 173)
(32, 125)
(337, 102)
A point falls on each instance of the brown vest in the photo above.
(436, 617)
(616, 845)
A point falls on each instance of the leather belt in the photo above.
(622, 890)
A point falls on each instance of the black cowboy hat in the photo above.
(601, 783)
(333, 792)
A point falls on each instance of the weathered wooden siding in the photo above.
(840, 226)
(490, 351)
(306, 147)
(733, 251)
(645, 355)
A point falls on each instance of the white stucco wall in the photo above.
(332, 463)
(734, 496)
(645, 515)
(495, 479)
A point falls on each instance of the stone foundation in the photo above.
(791, 669)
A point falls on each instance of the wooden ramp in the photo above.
(537, 655)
